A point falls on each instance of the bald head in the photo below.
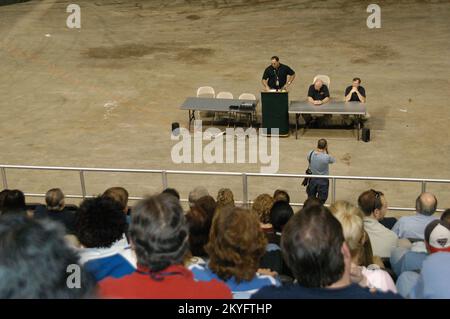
(426, 204)
(318, 84)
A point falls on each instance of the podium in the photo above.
(275, 112)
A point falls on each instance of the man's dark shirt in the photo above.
(355, 97)
(282, 72)
(295, 291)
(318, 95)
(65, 217)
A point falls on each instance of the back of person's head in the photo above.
(100, 222)
(369, 201)
(13, 202)
(208, 204)
(437, 236)
(3, 194)
(281, 194)
(54, 198)
(225, 197)
(159, 232)
(172, 191)
(199, 223)
(196, 194)
(118, 194)
(280, 213)
(426, 204)
(261, 206)
(351, 219)
(35, 260)
(236, 244)
(312, 201)
(312, 244)
(446, 216)
(322, 144)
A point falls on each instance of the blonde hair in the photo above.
(351, 219)
(261, 206)
(225, 197)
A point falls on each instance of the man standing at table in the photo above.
(277, 76)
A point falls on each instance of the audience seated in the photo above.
(437, 239)
(314, 247)
(159, 236)
(55, 209)
(374, 206)
(101, 226)
(261, 206)
(35, 260)
(280, 213)
(282, 195)
(199, 220)
(363, 270)
(172, 191)
(412, 227)
(225, 197)
(236, 245)
(196, 194)
(14, 203)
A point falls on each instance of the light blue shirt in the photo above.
(412, 226)
(320, 163)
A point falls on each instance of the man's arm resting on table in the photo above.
(361, 97)
(325, 100)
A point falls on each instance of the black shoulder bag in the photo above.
(308, 171)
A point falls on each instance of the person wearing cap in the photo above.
(437, 240)
(412, 227)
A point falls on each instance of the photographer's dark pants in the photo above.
(318, 187)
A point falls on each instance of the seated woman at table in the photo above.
(318, 94)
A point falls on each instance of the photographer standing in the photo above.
(319, 161)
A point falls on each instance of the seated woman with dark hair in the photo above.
(159, 236)
(13, 202)
(101, 225)
(236, 245)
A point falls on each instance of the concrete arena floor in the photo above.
(106, 94)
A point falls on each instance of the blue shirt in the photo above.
(412, 226)
(115, 266)
(295, 291)
(241, 290)
(320, 163)
(434, 280)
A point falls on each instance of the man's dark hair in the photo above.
(159, 232)
(424, 208)
(281, 194)
(172, 191)
(446, 216)
(280, 213)
(369, 201)
(14, 202)
(275, 58)
(322, 144)
(100, 222)
(3, 194)
(357, 79)
(34, 260)
(311, 244)
(311, 201)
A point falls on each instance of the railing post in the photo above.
(424, 186)
(83, 185)
(244, 189)
(333, 190)
(164, 179)
(5, 182)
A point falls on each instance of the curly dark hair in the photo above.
(236, 244)
(34, 260)
(159, 232)
(100, 222)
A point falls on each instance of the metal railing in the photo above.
(423, 182)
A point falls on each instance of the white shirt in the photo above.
(378, 278)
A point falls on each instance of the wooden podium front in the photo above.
(275, 107)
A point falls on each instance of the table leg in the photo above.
(359, 127)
